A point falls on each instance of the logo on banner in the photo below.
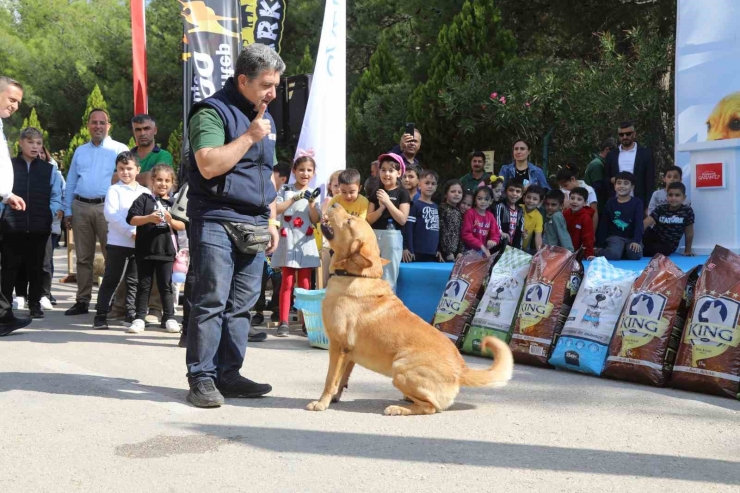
(205, 20)
(710, 175)
(213, 38)
(262, 22)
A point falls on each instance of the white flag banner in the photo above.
(325, 124)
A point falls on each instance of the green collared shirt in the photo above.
(157, 156)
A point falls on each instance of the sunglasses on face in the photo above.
(625, 134)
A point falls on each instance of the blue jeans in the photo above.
(227, 284)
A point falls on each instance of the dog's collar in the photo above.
(344, 273)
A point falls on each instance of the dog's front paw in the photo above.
(316, 406)
(396, 411)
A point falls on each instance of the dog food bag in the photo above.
(552, 283)
(708, 358)
(584, 341)
(497, 308)
(649, 330)
(462, 294)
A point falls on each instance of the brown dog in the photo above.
(367, 324)
(724, 122)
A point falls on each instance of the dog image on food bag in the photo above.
(498, 306)
(708, 358)
(597, 300)
(584, 341)
(463, 294)
(552, 283)
(368, 325)
(648, 333)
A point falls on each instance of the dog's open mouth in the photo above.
(327, 230)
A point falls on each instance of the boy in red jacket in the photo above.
(579, 218)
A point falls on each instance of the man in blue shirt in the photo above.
(88, 180)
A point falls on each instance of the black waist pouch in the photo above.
(247, 238)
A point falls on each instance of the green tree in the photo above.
(95, 100)
(475, 36)
(383, 80)
(32, 121)
(174, 146)
(565, 108)
(307, 63)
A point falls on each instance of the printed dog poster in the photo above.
(707, 82)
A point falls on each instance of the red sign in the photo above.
(710, 175)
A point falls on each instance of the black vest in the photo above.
(244, 193)
(34, 187)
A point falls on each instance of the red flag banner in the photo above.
(138, 46)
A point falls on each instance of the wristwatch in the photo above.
(273, 222)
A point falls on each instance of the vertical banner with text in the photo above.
(211, 42)
(210, 46)
(262, 22)
(325, 124)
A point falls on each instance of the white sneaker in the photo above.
(46, 303)
(172, 326)
(137, 327)
(19, 303)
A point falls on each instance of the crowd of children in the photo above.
(401, 205)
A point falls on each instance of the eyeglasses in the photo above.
(625, 134)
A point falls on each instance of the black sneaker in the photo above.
(10, 323)
(79, 308)
(100, 322)
(35, 311)
(258, 319)
(204, 393)
(183, 339)
(52, 300)
(275, 317)
(255, 336)
(244, 388)
(283, 330)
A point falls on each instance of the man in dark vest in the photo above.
(232, 190)
(25, 233)
(11, 95)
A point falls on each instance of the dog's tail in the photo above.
(500, 371)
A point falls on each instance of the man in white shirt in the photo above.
(638, 160)
(11, 94)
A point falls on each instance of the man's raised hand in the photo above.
(260, 126)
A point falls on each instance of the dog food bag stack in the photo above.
(584, 342)
(552, 283)
(649, 330)
(462, 294)
(708, 358)
(498, 306)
